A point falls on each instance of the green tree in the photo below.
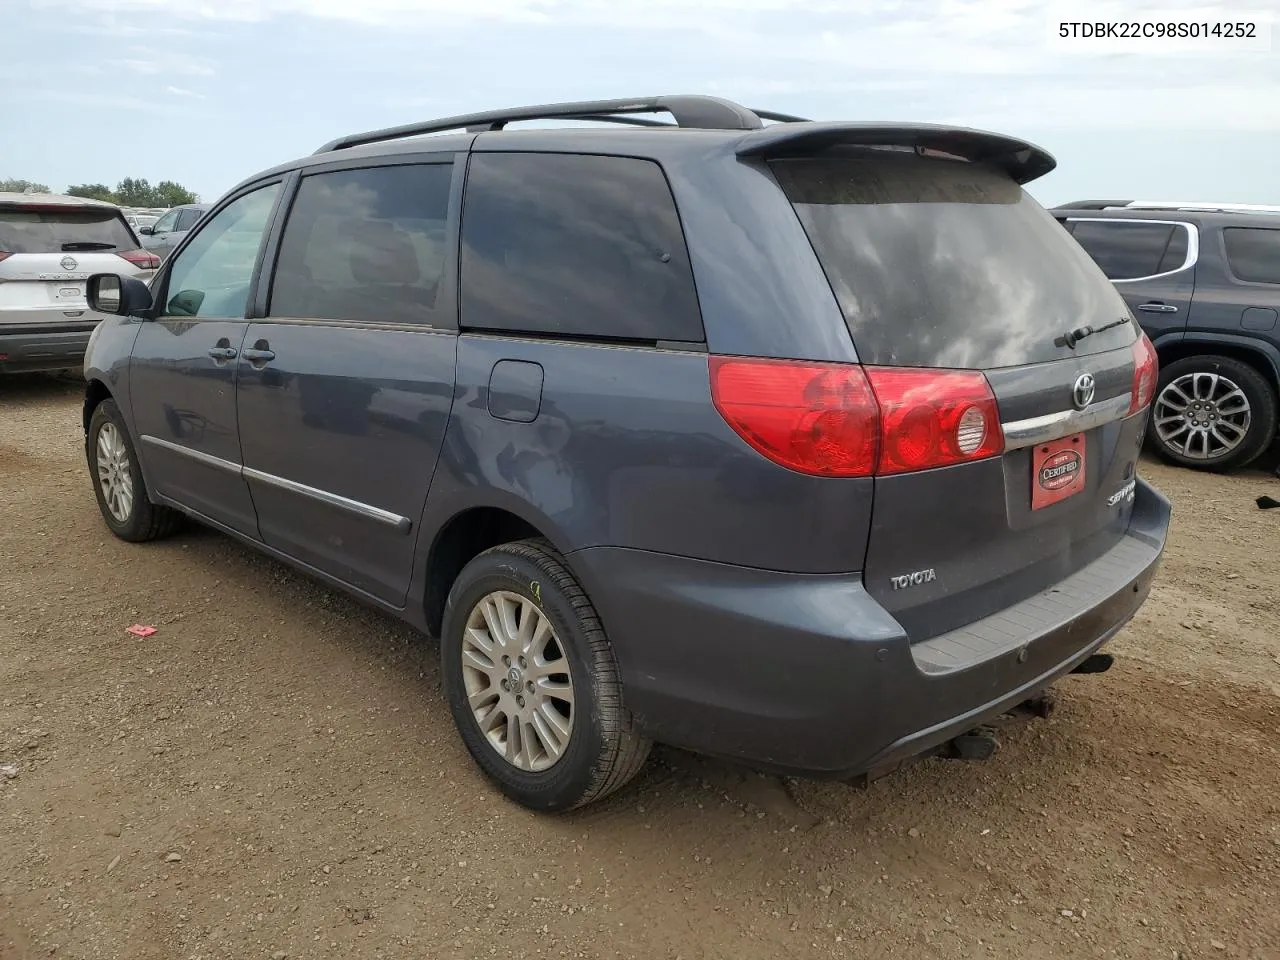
(170, 194)
(93, 191)
(135, 193)
(21, 186)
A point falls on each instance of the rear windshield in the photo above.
(55, 231)
(938, 263)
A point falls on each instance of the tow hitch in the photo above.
(975, 746)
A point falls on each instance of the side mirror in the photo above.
(148, 231)
(121, 296)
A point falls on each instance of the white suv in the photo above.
(49, 246)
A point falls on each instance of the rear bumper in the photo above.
(28, 350)
(808, 674)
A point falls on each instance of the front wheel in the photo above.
(117, 480)
(532, 682)
(1212, 413)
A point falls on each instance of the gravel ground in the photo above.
(274, 774)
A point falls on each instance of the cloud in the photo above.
(181, 92)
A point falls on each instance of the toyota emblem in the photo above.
(69, 263)
(1082, 391)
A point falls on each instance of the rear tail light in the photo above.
(3, 254)
(843, 420)
(815, 418)
(1146, 367)
(141, 258)
(934, 418)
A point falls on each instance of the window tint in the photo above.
(187, 219)
(1253, 253)
(365, 245)
(937, 263)
(54, 231)
(167, 222)
(1125, 251)
(211, 276)
(575, 246)
(1175, 254)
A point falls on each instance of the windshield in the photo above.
(55, 231)
(937, 263)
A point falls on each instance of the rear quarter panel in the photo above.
(628, 450)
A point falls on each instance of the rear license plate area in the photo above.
(1057, 470)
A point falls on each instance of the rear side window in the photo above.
(575, 246)
(1253, 253)
(187, 219)
(365, 245)
(938, 263)
(1126, 250)
(50, 230)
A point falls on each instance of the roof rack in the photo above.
(1184, 206)
(696, 112)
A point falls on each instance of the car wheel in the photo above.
(117, 480)
(1212, 413)
(532, 682)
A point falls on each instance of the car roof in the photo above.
(1206, 214)
(705, 126)
(54, 199)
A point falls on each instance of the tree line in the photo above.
(129, 192)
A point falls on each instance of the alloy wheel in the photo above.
(517, 680)
(1202, 415)
(114, 474)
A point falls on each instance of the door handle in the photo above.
(1157, 307)
(223, 353)
(259, 354)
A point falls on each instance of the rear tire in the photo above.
(532, 682)
(117, 480)
(1212, 413)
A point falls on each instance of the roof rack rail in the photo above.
(1172, 205)
(692, 111)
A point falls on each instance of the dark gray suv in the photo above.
(812, 445)
(1204, 281)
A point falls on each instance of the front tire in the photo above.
(532, 682)
(118, 483)
(1212, 413)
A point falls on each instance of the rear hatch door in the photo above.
(48, 250)
(942, 265)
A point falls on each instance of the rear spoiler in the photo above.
(1023, 161)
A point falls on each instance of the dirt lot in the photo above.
(274, 774)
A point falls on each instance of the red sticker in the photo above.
(1057, 471)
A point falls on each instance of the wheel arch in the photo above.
(466, 534)
(94, 393)
(1261, 356)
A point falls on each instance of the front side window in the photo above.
(1127, 251)
(167, 223)
(187, 219)
(575, 246)
(1253, 253)
(365, 245)
(211, 276)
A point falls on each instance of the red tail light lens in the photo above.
(842, 420)
(141, 259)
(3, 254)
(815, 418)
(934, 418)
(1146, 368)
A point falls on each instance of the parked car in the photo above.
(1204, 281)
(169, 228)
(49, 246)
(725, 435)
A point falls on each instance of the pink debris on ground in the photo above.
(138, 630)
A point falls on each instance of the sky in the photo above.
(208, 92)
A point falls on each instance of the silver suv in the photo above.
(49, 246)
